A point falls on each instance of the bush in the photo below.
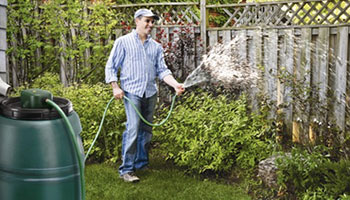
(314, 174)
(214, 133)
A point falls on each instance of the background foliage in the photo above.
(313, 175)
(70, 33)
(215, 134)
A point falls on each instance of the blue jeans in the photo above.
(137, 135)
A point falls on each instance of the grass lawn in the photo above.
(161, 181)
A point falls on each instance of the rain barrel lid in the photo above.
(11, 108)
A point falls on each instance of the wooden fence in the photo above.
(305, 75)
(307, 41)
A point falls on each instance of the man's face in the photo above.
(144, 25)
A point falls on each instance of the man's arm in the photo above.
(115, 60)
(169, 79)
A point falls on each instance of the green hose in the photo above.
(99, 129)
(76, 145)
(138, 113)
(144, 120)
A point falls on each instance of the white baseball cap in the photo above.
(145, 13)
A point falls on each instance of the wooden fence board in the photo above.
(270, 48)
(167, 34)
(322, 69)
(242, 35)
(341, 75)
(322, 56)
(255, 61)
(226, 36)
(287, 67)
(270, 65)
(306, 35)
(213, 38)
(257, 58)
(204, 23)
(303, 76)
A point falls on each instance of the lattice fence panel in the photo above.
(172, 14)
(292, 13)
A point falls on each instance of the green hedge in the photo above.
(215, 134)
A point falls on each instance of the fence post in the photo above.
(340, 76)
(204, 24)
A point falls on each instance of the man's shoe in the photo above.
(129, 177)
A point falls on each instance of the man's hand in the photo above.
(179, 89)
(117, 92)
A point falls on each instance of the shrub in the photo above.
(213, 133)
(314, 174)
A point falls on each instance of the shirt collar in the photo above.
(137, 35)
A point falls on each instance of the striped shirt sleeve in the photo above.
(162, 69)
(114, 61)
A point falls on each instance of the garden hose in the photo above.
(75, 144)
(138, 113)
(147, 122)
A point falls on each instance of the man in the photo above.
(140, 60)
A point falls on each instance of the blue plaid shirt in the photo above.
(139, 64)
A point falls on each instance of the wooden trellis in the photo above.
(282, 14)
(171, 14)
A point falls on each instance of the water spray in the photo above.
(224, 64)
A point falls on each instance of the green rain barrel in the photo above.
(37, 157)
